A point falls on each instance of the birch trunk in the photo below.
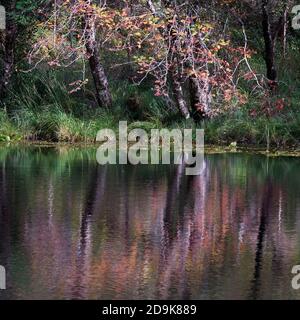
(179, 96)
(200, 98)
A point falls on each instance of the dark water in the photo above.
(72, 229)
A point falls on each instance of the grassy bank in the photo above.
(41, 108)
(59, 126)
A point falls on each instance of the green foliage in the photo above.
(279, 131)
(25, 11)
(41, 108)
(41, 105)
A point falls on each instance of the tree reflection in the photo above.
(84, 231)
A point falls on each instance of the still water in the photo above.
(71, 229)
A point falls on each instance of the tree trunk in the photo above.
(8, 51)
(200, 98)
(179, 96)
(174, 74)
(103, 95)
(269, 45)
(285, 28)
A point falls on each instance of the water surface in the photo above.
(71, 229)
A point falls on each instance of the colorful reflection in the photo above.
(71, 229)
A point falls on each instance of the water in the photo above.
(70, 229)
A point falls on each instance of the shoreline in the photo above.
(208, 148)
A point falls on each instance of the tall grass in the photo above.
(41, 107)
(277, 132)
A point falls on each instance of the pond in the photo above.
(72, 229)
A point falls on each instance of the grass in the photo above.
(276, 132)
(41, 108)
(59, 126)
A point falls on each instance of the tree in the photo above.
(269, 39)
(70, 34)
(175, 74)
(8, 47)
(182, 48)
(274, 24)
(92, 50)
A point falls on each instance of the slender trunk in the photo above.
(151, 6)
(269, 45)
(174, 74)
(103, 95)
(170, 103)
(200, 98)
(179, 96)
(287, 9)
(9, 51)
(285, 28)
